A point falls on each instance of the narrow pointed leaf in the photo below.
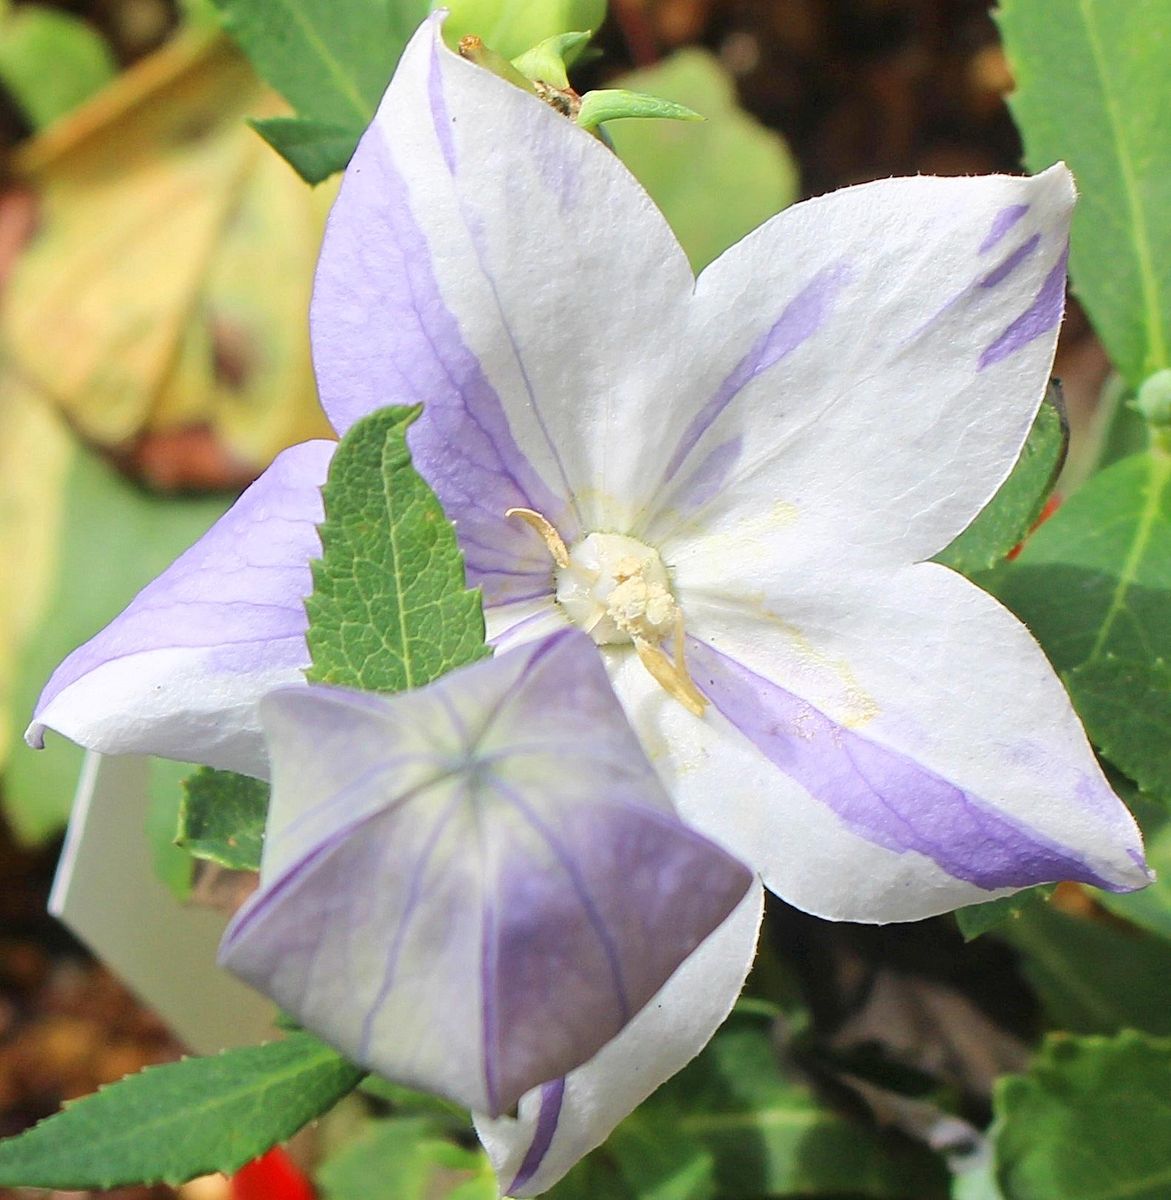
(172, 1123)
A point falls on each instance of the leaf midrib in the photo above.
(1156, 350)
(1160, 467)
(334, 68)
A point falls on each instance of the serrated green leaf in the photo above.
(51, 61)
(1010, 514)
(717, 179)
(313, 149)
(1090, 1121)
(1094, 586)
(760, 1130)
(977, 919)
(221, 818)
(510, 27)
(1092, 977)
(172, 1123)
(404, 1159)
(1092, 88)
(389, 609)
(1127, 704)
(109, 538)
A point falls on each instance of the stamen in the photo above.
(549, 535)
(672, 677)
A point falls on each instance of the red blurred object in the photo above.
(1051, 506)
(273, 1176)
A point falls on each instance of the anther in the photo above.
(544, 527)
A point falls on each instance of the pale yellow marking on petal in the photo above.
(544, 527)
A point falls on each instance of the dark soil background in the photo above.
(861, 89)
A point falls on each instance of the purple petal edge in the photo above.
(881, 795)
(552, 1096)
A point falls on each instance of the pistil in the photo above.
(617, 590)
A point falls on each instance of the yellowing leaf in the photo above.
(36, 452)
(169, 280)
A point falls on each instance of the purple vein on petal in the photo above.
(1004, 221)
(581, 891)
(1041, 316)
(802, 318)
(414, 895)
(555, 513)
(490, 1001)
(999, 274)
(552, 1095)
(880, 794)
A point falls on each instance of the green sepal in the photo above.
(476, 51)
(977, 919)
(221, 818)
(1006, 519)
(616, 104)
(550, 60)
(173, 1123)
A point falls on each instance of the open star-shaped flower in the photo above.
(732, 484)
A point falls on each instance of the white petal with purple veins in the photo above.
(565, 1119)
(873, 363)
(883, 745)
(180, 672)
(471, 888)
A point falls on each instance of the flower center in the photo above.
(617, 590)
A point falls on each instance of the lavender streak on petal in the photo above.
(1041, 316)
(580, 889)
(552, 1095)
(440, 118)
(1004, 220)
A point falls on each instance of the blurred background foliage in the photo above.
(156, 257)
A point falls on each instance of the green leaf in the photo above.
(172, 864)
(389, 609)
(714, 180)
(978, 919)
(172, 1123)
(1010, 514)
(510, 27)
(111, 538)
(618, 104)
(1127, 704)
(1092, 977)
(1090, 1121)
(404, 1159)
(735, 1117)
(1094, 586)
(331, 59)
(51, 61)
(314, 149)
(1093, 89)
(548, 60)
(221, 818)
